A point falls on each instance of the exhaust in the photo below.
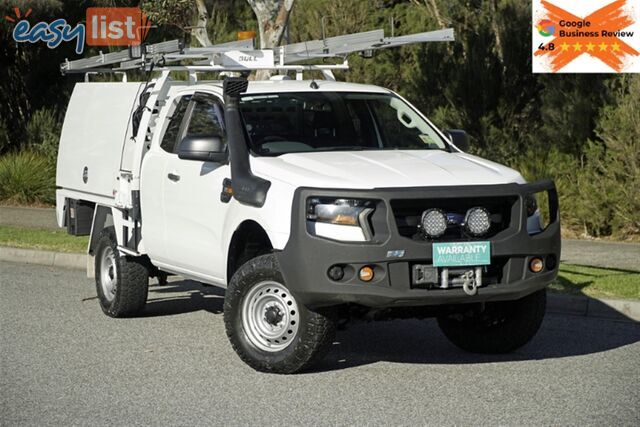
(247, 188)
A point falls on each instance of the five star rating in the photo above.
(590, 47)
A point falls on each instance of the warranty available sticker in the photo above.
(586, 36)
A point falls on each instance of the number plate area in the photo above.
(458, 254)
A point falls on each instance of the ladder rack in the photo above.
(242, 55)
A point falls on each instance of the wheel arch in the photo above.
(248, 241)
(103, 217)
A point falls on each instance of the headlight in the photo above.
(340, 219)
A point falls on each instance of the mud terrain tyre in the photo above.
(267, 327)
(122, 282)
(501, 328)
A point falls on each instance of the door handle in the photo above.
(173, 177)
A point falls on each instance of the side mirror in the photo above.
(206, 148)
(459, 138)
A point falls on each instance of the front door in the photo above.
(193, 211)
(152, 181)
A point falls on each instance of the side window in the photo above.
(207, 118)
(170, 138)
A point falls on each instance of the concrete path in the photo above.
(63, 362)
(28, 217)
(622, 256)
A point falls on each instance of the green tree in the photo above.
(172, 13)
(616, 160)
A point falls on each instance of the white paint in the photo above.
(93, 135)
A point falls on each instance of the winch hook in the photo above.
(469, 286)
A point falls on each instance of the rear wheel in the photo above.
(122, 282)
(267, 327)
(501, 327)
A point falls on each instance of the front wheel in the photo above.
(267, 327)
(501, 327)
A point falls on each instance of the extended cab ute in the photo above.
(311, 201)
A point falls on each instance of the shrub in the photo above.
(43, 132)
(615, 160)
(27, 178)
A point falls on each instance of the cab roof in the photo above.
(271, 86)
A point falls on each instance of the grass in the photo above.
(597, 282)
(572, 279)
(35, 238)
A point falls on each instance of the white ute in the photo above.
(310, 201)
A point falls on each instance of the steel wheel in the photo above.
(270, 316)
(267, 327)
(108, 273)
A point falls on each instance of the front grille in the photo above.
(407, 213)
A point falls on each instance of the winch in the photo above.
(469, 278)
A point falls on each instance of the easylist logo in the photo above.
(105, 26)
(116, 26)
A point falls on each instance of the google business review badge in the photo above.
(586, 36)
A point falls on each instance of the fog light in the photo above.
(366, 274)
(536, 265)
(336, 273)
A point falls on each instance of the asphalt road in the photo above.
(64, 363)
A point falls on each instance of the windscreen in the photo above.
(334, 121)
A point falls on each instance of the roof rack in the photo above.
(242, 55)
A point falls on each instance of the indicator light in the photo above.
(536, 265)
(366, 274)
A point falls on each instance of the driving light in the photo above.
(477, 221)
(433, 222)
(340, 219)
